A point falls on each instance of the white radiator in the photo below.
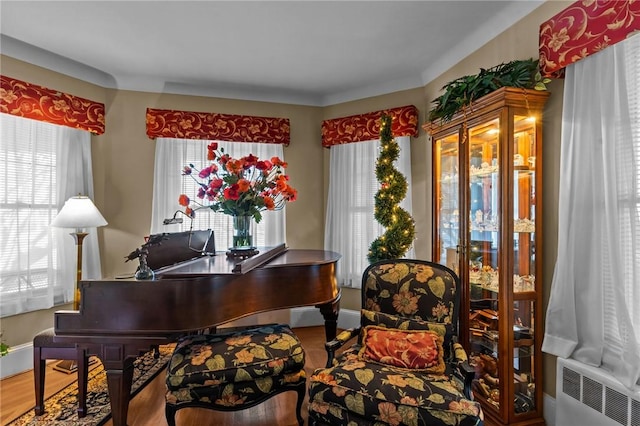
(590, 396)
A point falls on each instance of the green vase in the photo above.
(242, 238)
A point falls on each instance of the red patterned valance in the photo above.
(584, 28)
(366, 127)
(162, 123)
(39, 103)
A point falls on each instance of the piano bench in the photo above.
(234, 371)
(44, 348)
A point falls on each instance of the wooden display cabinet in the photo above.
(487, 182)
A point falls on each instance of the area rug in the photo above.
(61, 408)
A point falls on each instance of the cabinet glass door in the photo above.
(524, 373)
(447, 187)
(524, 259)
(483, 255)
(524, 198)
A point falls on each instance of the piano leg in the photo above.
(329, 312)
(119, 379)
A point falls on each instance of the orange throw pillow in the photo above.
(409, 349)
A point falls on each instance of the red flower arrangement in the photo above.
(238, 187)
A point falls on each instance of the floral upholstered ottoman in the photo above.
(234, 371)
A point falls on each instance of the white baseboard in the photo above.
(309, 316)
(18, 360)
(549, 406)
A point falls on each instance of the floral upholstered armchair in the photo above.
(406, 366)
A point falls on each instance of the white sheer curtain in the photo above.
(594, 310)
(350, 227)
(168, 183)
(43, 165)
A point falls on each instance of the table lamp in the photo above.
(78, 212)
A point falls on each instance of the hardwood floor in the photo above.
(147, 408)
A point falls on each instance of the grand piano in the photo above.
(120, 318)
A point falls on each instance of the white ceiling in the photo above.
(302, 52)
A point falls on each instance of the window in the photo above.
(622, 287)
(350, 226)
(593, 313)
(41, 163)
(171, 156)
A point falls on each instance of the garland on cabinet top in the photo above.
(464, 90)
(400, 227)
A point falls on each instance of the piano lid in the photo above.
(221, 264)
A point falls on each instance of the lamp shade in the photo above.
(78, 212)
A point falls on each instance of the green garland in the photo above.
(464, 90)
(400, 227)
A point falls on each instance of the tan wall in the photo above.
(123, 160)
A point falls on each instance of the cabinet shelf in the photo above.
(482, 229)
(484, 163)
(526, 169)
(482, 173)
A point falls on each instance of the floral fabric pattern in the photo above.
(585, 28)
(366, 127)
(235, 369)
(367, 393)
(411, 349)
(411, 290)
(381, 319)
(28, 100)
(401, 297)
(163, 123)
